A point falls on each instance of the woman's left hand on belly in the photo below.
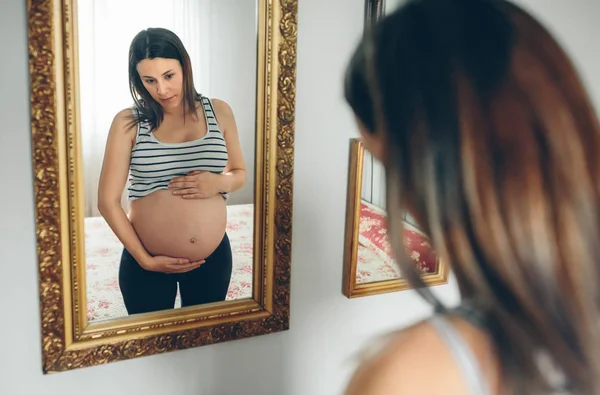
(196, 185)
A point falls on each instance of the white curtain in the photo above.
(106, 28)
(373, 181)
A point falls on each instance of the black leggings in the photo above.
(146, 291)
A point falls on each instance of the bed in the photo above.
(103, 253)
(374, 261)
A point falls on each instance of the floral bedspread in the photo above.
(375, 258)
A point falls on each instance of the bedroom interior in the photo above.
(291, 362)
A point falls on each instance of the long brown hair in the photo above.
(492, 141)
(158, 43)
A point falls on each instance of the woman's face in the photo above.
(163, 79)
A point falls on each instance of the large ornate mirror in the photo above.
(163, 160)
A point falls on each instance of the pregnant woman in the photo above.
(182, 154)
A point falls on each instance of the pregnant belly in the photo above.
(180, 228)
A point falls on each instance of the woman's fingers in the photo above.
(177, 190)
(193, 196)
(185, 267)
(180, 262)
(190, 193)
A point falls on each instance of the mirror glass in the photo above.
(220, 37)
(375, 260)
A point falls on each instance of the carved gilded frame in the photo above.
(349, 286)
(68, 341)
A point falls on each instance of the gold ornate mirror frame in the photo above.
(350, 287)
(68, 340)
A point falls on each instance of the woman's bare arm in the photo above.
(113, 178)
(234, 176)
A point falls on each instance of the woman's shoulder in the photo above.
(221, 107)
(125, 120)
(417, 360)
(126, 113)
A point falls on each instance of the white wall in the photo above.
(291, 363)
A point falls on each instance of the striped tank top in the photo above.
(153, 163)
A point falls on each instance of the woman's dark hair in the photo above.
(158, 43)
(492, 141)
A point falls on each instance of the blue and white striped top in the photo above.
(153, 163)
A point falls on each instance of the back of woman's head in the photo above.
(491, 141)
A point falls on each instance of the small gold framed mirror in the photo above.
(369, 265)
(243, 57)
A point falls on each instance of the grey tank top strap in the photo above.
(461, 351)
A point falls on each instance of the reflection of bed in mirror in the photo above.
(375, 260)
(103, 254)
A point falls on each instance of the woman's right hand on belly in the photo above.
(166, 264)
